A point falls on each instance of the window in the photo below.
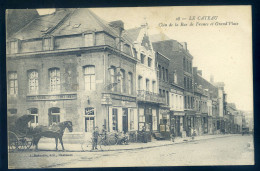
(184, 64)
(153, 87)
(160, 72)
(190, 68)
(13, 82)
(140, 81)
(90, 78)
(54, 115)
(160, 91)
(114, 120)
(141, 115)
(166, 75)
(12, 111)
(185, 102)
(14, 46)
(147, 84)
(188, 83)
(163, 93)
(149, 62)
(131, 119)
(163, 72)
(175, 78)
(33, 81)
(34, 112)
(167, 97)
(89, 40)
(47, 44)
(185, 82)
(130, 83)
(122, 81)
(89, 119)
(142, 58)
(154, 119)
(54, 74)
(135, 52)
(113, 78)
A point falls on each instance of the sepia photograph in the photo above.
(129, 87)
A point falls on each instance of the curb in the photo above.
(154, 146)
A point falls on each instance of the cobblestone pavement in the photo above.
(227, 150)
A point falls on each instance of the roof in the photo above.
(64, 22)
(159, 37)
(133, 33)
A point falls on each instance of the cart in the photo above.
(19, 134)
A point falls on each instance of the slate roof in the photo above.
(133, 33)
(64, 22)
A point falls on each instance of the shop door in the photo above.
(125, 120)
(178, 126)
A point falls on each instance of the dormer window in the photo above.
(47, 43)
(150, 62)
(89, 39)
(14, 46)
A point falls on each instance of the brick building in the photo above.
(71, 65)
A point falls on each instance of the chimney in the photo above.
(184, 45)
(195, 70)
(199, 72)
(211, 78)
(118, 25)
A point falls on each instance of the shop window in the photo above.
(13, 82)
(90, 78)
(89, 119)
(54, 74)
(141, 115)
(34, 113)
(131, 119)
(54, 115)
(154, 119)
(89, 40)
(115, 119)
(33, 81)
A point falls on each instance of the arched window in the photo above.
(54, 115)
(33, 82)
(34, 112)
(113, 78)
(54, 75)
(122, 81)
(130, 83)
(90, 78)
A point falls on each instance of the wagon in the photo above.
(19, 134)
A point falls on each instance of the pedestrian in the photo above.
(95, 138)
(172, 134)
(144, 135)
(193, 134)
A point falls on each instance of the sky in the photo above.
(223, 51)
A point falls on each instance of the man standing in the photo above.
(95, 138)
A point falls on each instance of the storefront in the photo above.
(177, 124)
(164, 122)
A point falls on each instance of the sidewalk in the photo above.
(130, 146)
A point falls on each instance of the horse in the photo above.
(56, 131)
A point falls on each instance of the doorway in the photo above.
(125, 120)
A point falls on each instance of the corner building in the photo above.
(71, 65)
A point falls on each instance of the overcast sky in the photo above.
(223, 51)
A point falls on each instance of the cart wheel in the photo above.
(29, 144)
(22, 144)
(12, 141)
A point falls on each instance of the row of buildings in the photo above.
(72, 65)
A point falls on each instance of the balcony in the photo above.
(147, 96)
(51, 97)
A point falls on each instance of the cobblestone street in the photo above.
(230, 150)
